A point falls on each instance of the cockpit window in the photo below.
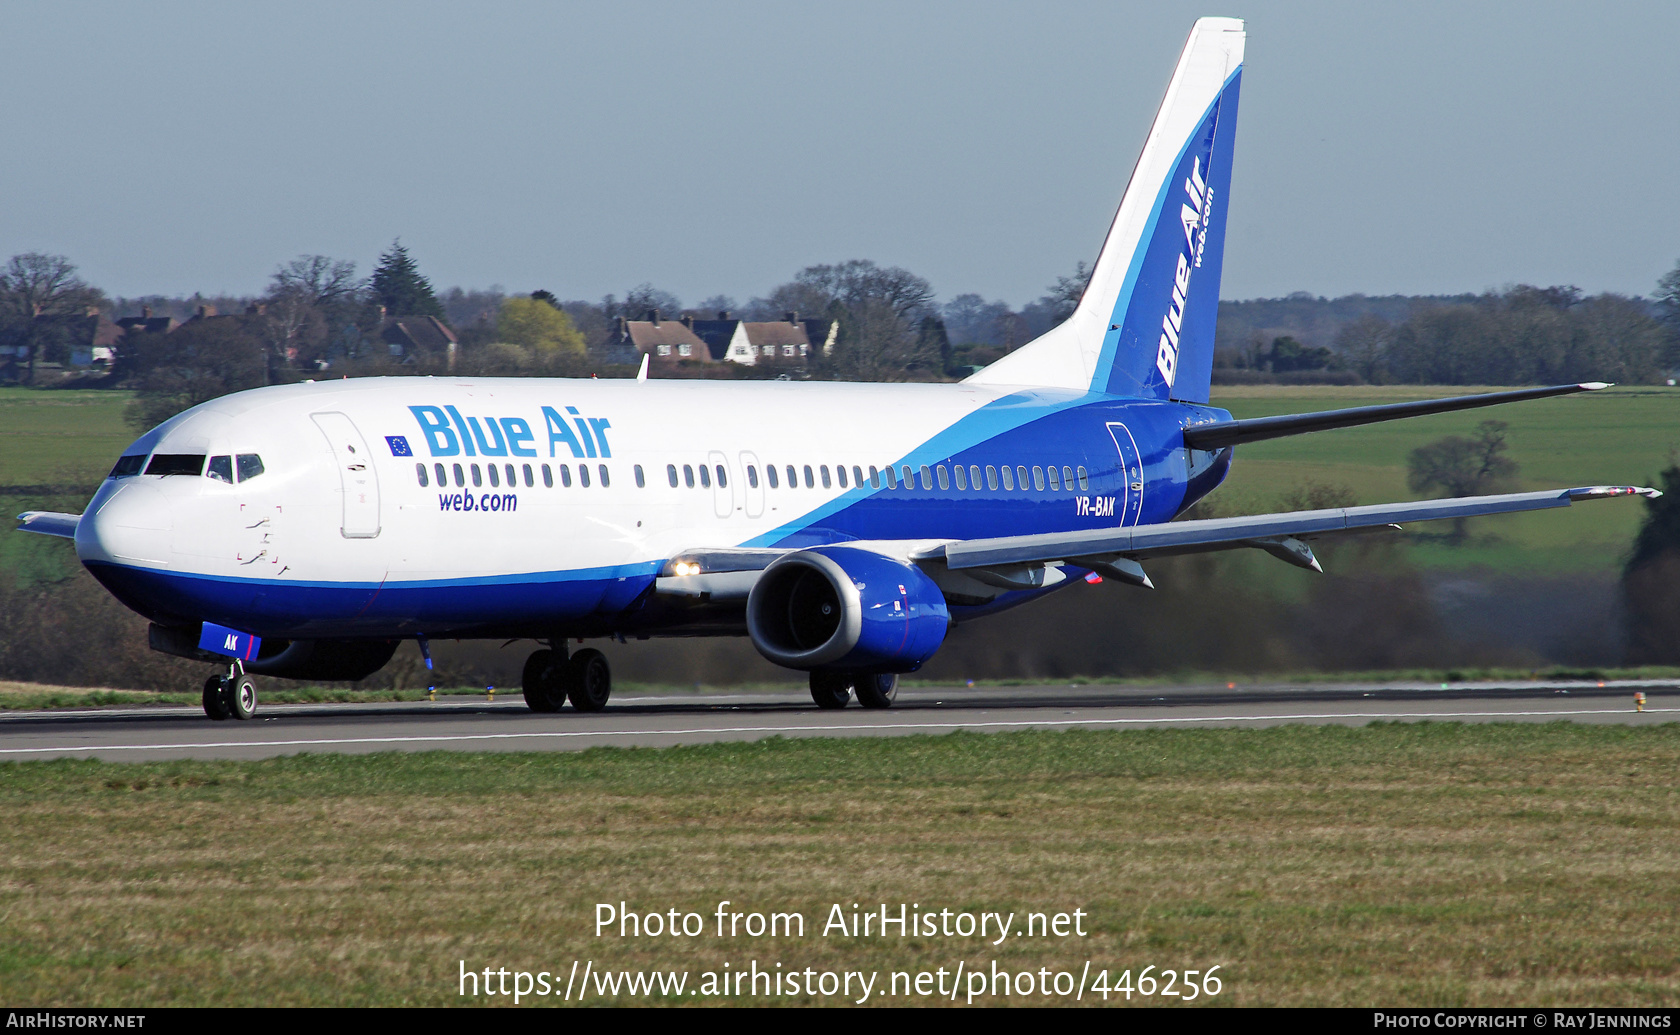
(176, 463)
(250, 465)
(221, 469)
(129, 466)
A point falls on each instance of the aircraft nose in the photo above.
(132, 526)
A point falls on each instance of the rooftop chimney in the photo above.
(623, 327)
(792, 316)
(688, 321)
(206, 311)
(256, 309)
(723, 314)
(145, 312)
(653, 314)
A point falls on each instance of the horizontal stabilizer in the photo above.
(1219, 434)
(1270, 532)
(47, 523)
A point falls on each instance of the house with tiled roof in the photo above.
(664, 342)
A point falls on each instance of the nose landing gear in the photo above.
(233, 696)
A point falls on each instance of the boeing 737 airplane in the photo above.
(305, 530)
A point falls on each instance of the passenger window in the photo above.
(857, 476)
(909, 479)
(442, 476)
(723, 477)
(793, 477)
(129, 466)
(529, 481)
(511, 479)
(927, 478)
(962, 480)
(495, 481)
(974, 476)
(874, 477)
(1038, 479)
(826, 483)
(605, 481)
(583, 476)
(221, 469)
(892, 482)
(688, 475)
(249, 465)
(840, 472)
(176, 463)
(478, 479)
(1009, 478)
(1021, 478)
(1055, 482)
(565, 476)
(810, 479)
(705, 477)
(641, 482)
(671, 474)
(944, 479)
(1084, 480)
(460, 477)
(419, 469)
(752, 477)
(1067, 478)
(991, 477)
(548, 477)
(770, 472)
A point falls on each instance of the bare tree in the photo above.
(1364, 344)
(317, 279)
(1463, 466)
(34, 285)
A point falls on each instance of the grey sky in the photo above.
(719, 147)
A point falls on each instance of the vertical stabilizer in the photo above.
(1145, 325)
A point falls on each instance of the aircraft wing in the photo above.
(48, 523)
(1022, 560)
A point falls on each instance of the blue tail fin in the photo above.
(1145, 325)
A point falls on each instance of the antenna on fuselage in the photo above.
(641, 375)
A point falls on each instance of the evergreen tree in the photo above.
(399, 287)
(1651, 579)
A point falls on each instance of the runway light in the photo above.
(1230, 686)
(490, 692)
(1639, 700)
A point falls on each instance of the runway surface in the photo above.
(475, 724)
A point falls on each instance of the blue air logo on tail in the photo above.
(1160, 337)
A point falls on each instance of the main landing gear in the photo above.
(835, 689)
(551, 679)
(233, 696)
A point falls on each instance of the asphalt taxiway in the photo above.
(505, 724)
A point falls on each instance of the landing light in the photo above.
(686, 568)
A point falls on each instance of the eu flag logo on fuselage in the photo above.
(399, 445)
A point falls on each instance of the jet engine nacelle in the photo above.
(840, 607)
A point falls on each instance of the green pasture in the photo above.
(1619, 436)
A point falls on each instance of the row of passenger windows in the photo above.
(220, 468)
(964, 478)
(497, 473)
(971, 478)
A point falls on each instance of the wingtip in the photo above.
(1595, 386)
(1604, 492)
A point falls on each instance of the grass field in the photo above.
(1393, 864)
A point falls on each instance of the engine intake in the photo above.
(838, 607)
